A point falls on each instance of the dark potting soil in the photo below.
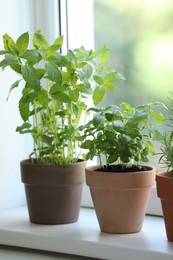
(119, 168)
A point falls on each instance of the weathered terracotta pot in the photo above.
(53, 192)
(164, 186)
(120, 199)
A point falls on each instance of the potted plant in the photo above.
(164, 180)
(56, 89)
(120, 185)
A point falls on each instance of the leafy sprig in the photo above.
(122, 135)
(56, 88)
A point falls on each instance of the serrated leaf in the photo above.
(25, 125)
(14, 85)
(43, 98)
(32, 56)
(22, 43)
(54, 72)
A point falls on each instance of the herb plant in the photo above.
(166, 140)
(55, 91)
(121, 135)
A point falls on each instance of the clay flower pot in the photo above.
(165, 193)
(120, 199)
(53, 192)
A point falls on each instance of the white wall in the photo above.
(16, 17)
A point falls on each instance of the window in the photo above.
(139, 35)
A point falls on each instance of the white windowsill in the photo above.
(84, 237)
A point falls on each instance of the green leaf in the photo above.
(112, 158)
(88, 69)
(25, 125)
(98, 79)
(52, 49)
(86, 144)
(74, 95)
(71, 57)
(43, 98)
(111, 77)
(9, 44)
(125, 106)
(104, 55)
(22, 43)
(59, 41)
(46, 139)
(54, 72)
(84, 89)
(97, 120)
(30, 76)
(98, 95)
(109, 86)
(24, 109)
(14, 85)
(32, 56)
(109, 116)
(157, 116)
(39, 41)
(62, 97)
(139, 115)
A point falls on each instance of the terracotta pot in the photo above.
(165, 193)
(53, 192)
(120, 199)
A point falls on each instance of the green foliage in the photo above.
(121, 134)
(56, 89)
(166, 140)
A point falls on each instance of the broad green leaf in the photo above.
(84, 89)
(139, 115)
(125, 106)
(74, 95)
(98, 79)
(157, 116)
(65, 77)
(109, 86)
(40, 73)
(71, 57)
(46, 139)
(62, 97)
(25, 125)
(109, 116)
(52, 49)
(9, 44)
(111, 77)
(32, 56)
(97, 120)
(54, 72)
(151, 147)
(24, 109)
(98, 95)
(43, 98)
(59, 40)
(30, 76)
(39, 41)
(104, 55)
(22, 43)
(88, 69)
(86, 144)
(112, 158)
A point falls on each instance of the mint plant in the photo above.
(122, 135)
(55, 92)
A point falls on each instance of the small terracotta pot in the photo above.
(120, 199)
(165, 193)
(53, 192)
